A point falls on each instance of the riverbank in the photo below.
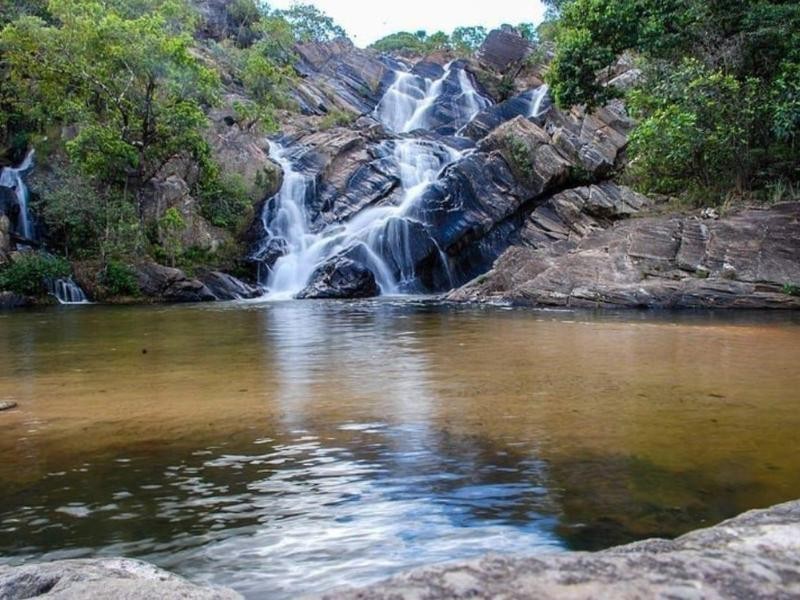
(756, 554)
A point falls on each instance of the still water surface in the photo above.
(291, 447)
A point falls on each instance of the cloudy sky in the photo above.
(369, 20)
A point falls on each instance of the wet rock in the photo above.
(503, 48)
(7, 405)
(102, 578)
(497, 114)
(11, 300)
(170, 284)
(341, 278)
(756, 555)
(227, 287)
(743, 261)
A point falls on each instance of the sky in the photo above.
(370, 20)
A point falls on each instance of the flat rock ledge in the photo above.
(755, 555)
(117, 578)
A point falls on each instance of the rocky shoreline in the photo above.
(754, 555)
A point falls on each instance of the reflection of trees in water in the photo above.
(611, 500)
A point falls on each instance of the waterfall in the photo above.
(67, 291)
(381, 237)
(12, 178)
(410, 101)
(391, 237)
(538, 97)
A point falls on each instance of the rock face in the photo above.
(502, 49)
(5, 238)
(341, 278)
(11, 300)
(168, 284)
(338, 76)
(756, 555)
(102, 578)
(744, 261)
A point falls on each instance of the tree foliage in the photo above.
(123, 71)
(718, 104)
(309, 24)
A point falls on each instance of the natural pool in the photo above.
(290, 447)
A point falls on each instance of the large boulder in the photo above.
(102, 578)
(170, 285)
(341, 278)
(227, 287)
(503, 48)
(749, 260)
(755, 555)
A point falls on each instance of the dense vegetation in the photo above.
(110, 92)
(718, 102)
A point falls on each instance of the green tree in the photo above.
(310, 24)
(124, 71)
(717, 105)
(468, 39)
(170, 229)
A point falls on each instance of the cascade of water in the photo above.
(12, 178)
(381, 236)
(388, 238)
(67, 291)
(538, 96)
(409, 102)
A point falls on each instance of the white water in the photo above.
(537, 100)
(409, 102)
(383, 238)
(380, 235)
(12, 178)
(67, 291)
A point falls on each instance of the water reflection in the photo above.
(289, 448)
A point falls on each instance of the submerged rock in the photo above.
(341, 278)
(102, 578)
(755, 555)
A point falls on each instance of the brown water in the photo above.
(291, 447)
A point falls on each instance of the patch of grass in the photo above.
(790, 289)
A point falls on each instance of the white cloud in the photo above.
(370, 20)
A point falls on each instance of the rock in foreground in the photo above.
(755, 555)
(119, 578)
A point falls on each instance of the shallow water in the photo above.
(291, 447)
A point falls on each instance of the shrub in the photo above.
(119, 279)
(31, 274)
(226, 201)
